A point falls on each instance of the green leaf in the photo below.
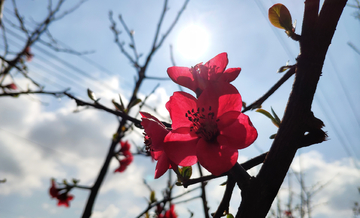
(283, 69)
(91, 95)
(117, 106)
(272, 136)
(278, 121)
(152, 197)
(268, 115)
(186, 172)
(121, 102)
(135, 102)
(224, 183)
(229, 216)
(280, 17)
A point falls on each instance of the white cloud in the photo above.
(335, 184)
(110, 212)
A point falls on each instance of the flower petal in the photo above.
(178, 105)
(162, 165)
(222, 97)
(217, 64)
(183, 77)
(156, 131)
(181, 147)
(216, 158)
(156, 154)
(147, 115)
(239, 134)
(227, 119)
(230, 74)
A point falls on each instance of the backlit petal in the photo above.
(181, 148)
(217, 64)
(222, 97)
(216, 158)
(162, 165)
(183, 77)
(239, 134)
(178, 105)
(230, 74)
(156, 131)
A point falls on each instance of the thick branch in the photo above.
(298, 118)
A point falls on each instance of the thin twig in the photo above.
(203, 194)
(224, 204)
(261, 100)
(163, 201)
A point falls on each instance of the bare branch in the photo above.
(119, 43)
(20, 19)
(277, 85)
(79, 102)
(70, 51)
(171, 26)
(69, 11)
(131, 36)
(224, 204)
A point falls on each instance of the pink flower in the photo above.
(197, 78)
(209, 129)
(155, 133)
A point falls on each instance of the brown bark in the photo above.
(299, 126)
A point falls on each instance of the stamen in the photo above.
(203, 123)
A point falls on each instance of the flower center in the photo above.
(203, 123)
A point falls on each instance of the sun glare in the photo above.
(193, 41)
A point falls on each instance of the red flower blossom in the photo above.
(125, 151)
(156, 132)
(288, 213)
(171, 212)
(197, 78)
(209, 129)
(53, 190)
(63, 198)
(125, 146)
(124, 163)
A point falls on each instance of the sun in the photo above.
(192, 42)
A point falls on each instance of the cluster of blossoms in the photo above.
(208, 128)
(61, 194)
(128, 157)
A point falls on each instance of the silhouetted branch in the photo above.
(258, 103)
(223, 208)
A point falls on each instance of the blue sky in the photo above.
(41, 141)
